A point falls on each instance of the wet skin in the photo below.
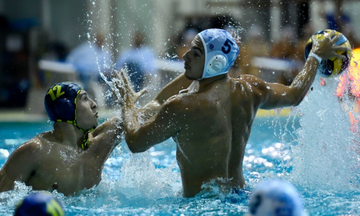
(211, 127)
(54, 160)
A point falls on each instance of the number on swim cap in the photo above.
(56, 88)
(226, 48)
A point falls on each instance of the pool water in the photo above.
(312, 148)
(150, 183)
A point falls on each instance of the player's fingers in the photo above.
(331, 34)
(124, 78)
(335, 38)
(117, 75)
(140, 93)
(341, 48)
(115, 93)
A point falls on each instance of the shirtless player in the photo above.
(69, 158)
(211, 120)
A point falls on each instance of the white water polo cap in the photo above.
(221, 51)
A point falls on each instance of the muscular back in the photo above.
(217, 126)
(211, 127)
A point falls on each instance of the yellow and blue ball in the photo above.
(39, 204)
(333, 66)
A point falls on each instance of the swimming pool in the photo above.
(147, 183)
(318, 158)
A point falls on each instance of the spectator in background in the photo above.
(15, 61)
(284, 49)
(307, 32)
(139, 61)
(56, 51)
(299, 57)
(340, 21)
(89, 59)
(336, 19)
(255, 45)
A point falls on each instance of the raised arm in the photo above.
(104, 139)
(157, 129)
(171, 89)
(160, 127)
(20, 165)
(274, 95)
(153, 107)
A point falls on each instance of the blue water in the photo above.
(149, 183)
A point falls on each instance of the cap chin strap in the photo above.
(85, 142)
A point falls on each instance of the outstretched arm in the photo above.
(274, 95)
(160, 127)
(153, 107)
(104, 139)
(171, 89)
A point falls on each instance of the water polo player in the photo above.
(211, 120)
(69, 158)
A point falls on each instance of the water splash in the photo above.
(324, 157)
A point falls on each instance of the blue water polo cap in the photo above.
(275, 197)
(60, 102)
(221, 51)
(39, 204)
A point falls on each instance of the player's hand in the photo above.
(326, 48)
(123, 90)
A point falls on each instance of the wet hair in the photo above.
(197, 42)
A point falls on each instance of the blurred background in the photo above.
(47, 41)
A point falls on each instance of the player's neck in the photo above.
(68, 134)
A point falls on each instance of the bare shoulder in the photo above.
(250, 83)
(178, 101)
(29, 148)
(250, 80)
(250, 88)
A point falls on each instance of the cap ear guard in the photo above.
(65, 109)
(216, 64)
